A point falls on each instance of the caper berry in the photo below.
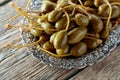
(115, 11)
(92, 43)
(97, 23)
(48, 46)
(43, 19)
(89, 3)
(81, 20)
(69, 9)
(52, 37)
(47, 6)
(63, 50)
(62, 3)
(61, 24)
(35, 32)
(55, 15)
(76, 35)
(47, 26)
(72, 25)
(104, 11)
(60, 39)
(97, 3)
(43, 38)
(79, 49)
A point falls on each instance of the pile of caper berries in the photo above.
(74, 27)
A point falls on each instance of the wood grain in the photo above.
(18, 64)
(108, 69)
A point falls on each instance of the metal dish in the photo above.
(89, 59)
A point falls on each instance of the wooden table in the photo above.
(18, 64)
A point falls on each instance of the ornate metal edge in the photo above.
(95, 56)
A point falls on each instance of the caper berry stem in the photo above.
(110, 14)
(81, 7)
(19, 10)
(25, 29)
(78, 6)
(22, 46)
(12, 18)
(80, 2)
(116, 24)
(50, 53)
(44, 29)
(50, 2)
(68, 20)
(115, 3)
(28, 4)
(9, 26)
(73, 12)
(24, 14)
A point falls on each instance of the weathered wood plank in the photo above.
(11, 35)
(108, 69)
(29, 68)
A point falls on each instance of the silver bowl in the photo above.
(81, 62)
